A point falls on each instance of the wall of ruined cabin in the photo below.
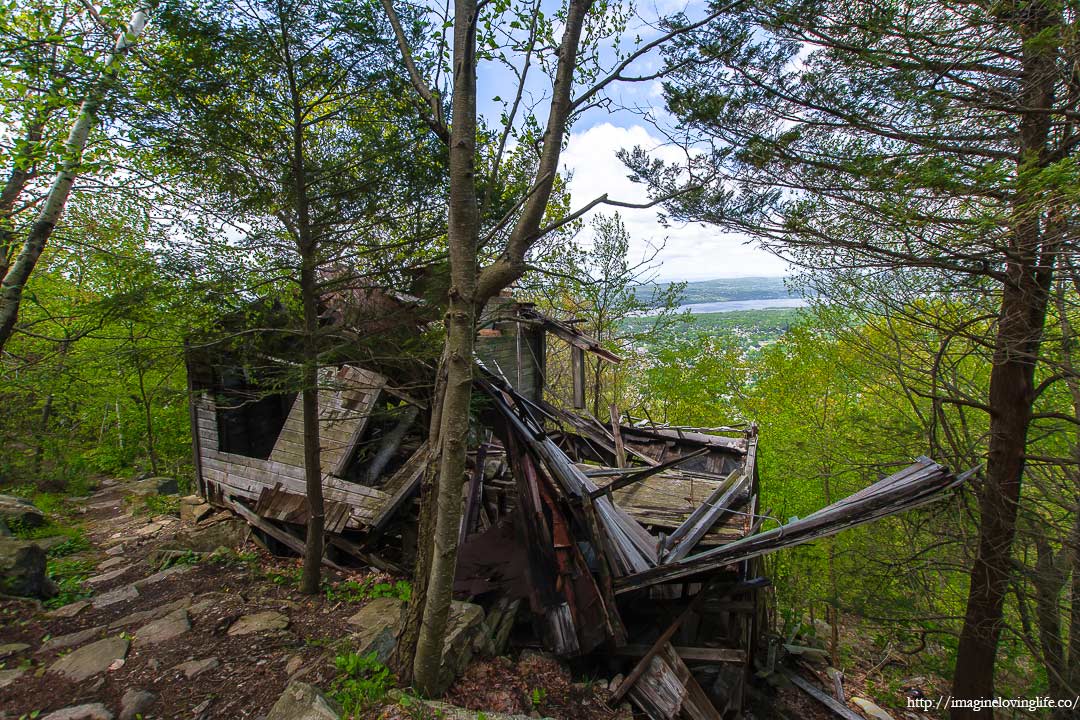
(512, 349)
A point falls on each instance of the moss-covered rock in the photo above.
(22, 569)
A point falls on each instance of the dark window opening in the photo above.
(249, 418)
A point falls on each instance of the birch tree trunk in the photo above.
(17, 275)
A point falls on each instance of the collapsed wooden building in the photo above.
(635, 541)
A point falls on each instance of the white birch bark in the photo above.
(11, 288)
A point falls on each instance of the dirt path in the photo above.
(216, 638)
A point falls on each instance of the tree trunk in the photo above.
(453, 439)
(1021, 319)
(307, 245)
(469, 291)
(313, 546)
(463, 222)
(17, 275)
(405, 650)
(46, 411)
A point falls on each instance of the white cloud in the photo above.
(692, 252)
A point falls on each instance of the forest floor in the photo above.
(222, 637)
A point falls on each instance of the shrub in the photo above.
(361, 682)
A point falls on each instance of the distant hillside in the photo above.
(746, 288)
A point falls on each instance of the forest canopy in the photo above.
(185, 177)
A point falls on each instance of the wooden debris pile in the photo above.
(641, 542)
(635, 546)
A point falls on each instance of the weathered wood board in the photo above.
(247, 477)
(278, 504)
(667, 499)
(345, 404)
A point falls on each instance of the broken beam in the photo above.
(703, 654)
(822, 697)
(630, 477)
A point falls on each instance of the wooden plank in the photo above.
(636, 476)
(345, 403)
(660, 692)
(472, 499)
(405, 482)
(694, 654)
(275, 532)
(689, 533)
(252, 481)
(822, 697)
(657, 646)
(620, 452)
(273, 468)
(278, 504)
(886, 497)
(577, 371)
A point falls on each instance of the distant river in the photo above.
(733, 305)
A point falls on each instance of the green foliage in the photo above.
(361, 682)
(751, 329)
(160, 505)
(98, 387)
(231, 557)
(353, 591)
(76, 542)
(292, 576)
(69, 574)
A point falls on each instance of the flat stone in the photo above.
(194, 668)
(294, 664)
(12, 648)
(115, 550)
(151, 529)
(110, 563)
(377, 622)
(871, 709)
(193, 509)
(72, 639)
(70, 610)
(106, 577)
(119, 595)
(161, 575)
(135, 702)
(202, 606)
(266, 621)
(7, 677)
(466, 634)
(301, 701)
(172, 625)
(89, 660)
(228, 532)
(89, 711)
(143, 616)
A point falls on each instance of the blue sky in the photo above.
(690, 251)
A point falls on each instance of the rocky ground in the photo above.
(220, 637)
(186, 617)
(186, 620)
